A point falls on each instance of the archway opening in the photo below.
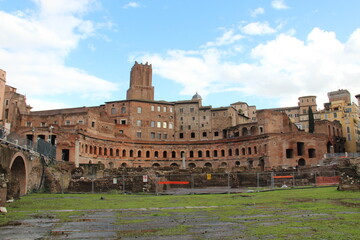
(17, 186)
(192, 165)
(174, 165)
(301, 162)
(156, 165)
(208, 165)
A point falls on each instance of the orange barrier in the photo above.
(282, 177)
(174, 182)
(327, 180)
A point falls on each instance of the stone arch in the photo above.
(223, 164)
(237, 163)
(253, 130)
(124, 164)
(156, 165)
(208, 165)
(244, 131)
(301, 162)
(192, 165)
(174, 165)
(19, 173)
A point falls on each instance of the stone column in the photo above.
(77, 151)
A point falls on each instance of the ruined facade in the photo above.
(140, 131)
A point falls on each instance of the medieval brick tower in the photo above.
(141, 83)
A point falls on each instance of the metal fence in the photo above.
(41, 146)
(201, 183)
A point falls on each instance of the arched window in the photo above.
(100, 151)
(105, 151)
(117, 152)
(173, 154)
(243, 151)
(164, 154)
(244, 131)
(237, 152)
(131, 153)
(192, 165)
(124, 153)
(230, 152)
(199, 153)
(95, 150)
(215, 153)
(223, 153)
(208, 164)
(191, 154)
(147, 154)
(86, 148)
(123, 110)
(111, 152)
(156, 154)
(139, 153)
(207, 153)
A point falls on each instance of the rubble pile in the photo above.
(350, 175)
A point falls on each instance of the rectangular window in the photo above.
(152, 124)
(28, 124)
(170, 109)
(152, 135)
(159, 135)
(216, 134)
(93, 124)
(81, 122)
(158, 124)
(164, 109)
(335, 115)
(312, 153)
(181, 110)
(171, 126)
(204, 117)
(123, 122)
(181, 135)
(204, 134)
(189, 127)
(165, 136)
(193, 118)
(192, 109)
(138, 123)
(43, 124)
(159, 109)
(67, 122)
(138, 134)
(289, 153)
(152, 108)
(300, 148)
(139, 110)
(181, 127)
(164, 124)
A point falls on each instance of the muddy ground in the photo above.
(156, 223)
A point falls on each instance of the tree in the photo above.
(311, 121)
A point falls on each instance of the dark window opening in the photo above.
(65, 155)
(289, 153)
(312, 153)
(300, 148)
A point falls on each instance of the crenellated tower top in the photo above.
(141, 83)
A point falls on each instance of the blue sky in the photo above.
(66, 53)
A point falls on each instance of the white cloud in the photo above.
(285, 68)
(257, 28)
(227, 38)
(279, 4)
(132, 5)
(34, 45)
(257, 12)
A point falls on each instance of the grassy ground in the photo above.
(318, 213)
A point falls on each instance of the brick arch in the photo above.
(18, 168)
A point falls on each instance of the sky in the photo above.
(66, 53)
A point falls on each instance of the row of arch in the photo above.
(103, 151)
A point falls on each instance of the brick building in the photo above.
(141, 131)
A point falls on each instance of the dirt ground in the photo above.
(151, 223)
